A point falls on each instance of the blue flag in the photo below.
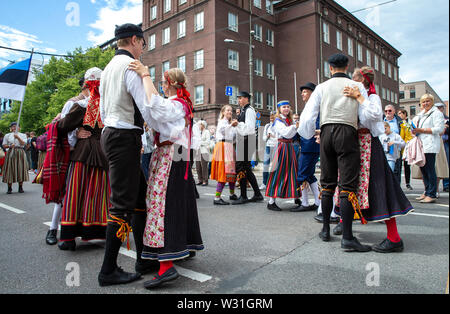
(13, 80)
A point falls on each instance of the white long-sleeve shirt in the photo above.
(271, 141)
(394, 153)
(249, 127)
(281, 130)
(225, 131)
(372, 116)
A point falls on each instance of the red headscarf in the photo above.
(372, 89)
(92, 115)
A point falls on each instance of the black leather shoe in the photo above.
(325, 236)
(240, 200)
(169, 275)
(233, 197)
(335, 220)
(273, 207)
(9, 191)
(301, 208)
(338, 229)
(67, 245)
(298, 202)
(257, 198)
(387, 246)
(50, 239)
(221, 202)
(200, 183)
(21, 189)
(314, 207)
(117, 277)
(319, 218)
(146, 266)
(354, 246)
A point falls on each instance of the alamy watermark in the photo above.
(73, 17)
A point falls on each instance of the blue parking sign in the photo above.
(229, 91)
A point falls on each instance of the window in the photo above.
(389, 70)
(412, 93)
(350, 46)
(326, 33)
(199, 21)
(269, 7)
(360, 53)
(395, 74)
(166, 36)
(233, 60)
(165, 67)
(258, 32)
(258, 100)
(181, 29)
(270, 102)
(153, 12)
(258, 67)
(376, 63)
(383, 66)
(257, 3)
(339, 40)
(198, 59)
(180, 2)
(151, 42)
(269, 37)
(377, 88)
(152, 72)
(383, 93)
(402, 95)
(199, 94)
(270, 71)
(233, 22)
(181, 63)
(232, 100)
(167, 5)
(369, 58)
(326, 69)
(412, 111)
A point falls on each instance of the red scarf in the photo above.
(372, 89)
(55, 166)
(92, 115)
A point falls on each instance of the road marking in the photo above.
(429, 215)
(12, 209)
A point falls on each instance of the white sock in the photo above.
(271, 200)
(56, 217)
(315, 190)
(305, 199)
(333, 213)
(319, 210)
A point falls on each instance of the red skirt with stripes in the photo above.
(86, 203)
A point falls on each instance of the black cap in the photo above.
(309, 85)
(338, 60)
(128, 30)
(12, 124)
(244, 94)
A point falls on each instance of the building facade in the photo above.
(210, 41)
(410, 94)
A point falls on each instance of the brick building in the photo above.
(293, 36)
(410, 94)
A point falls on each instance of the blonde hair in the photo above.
(222, 111)
(289, 116)
(369, 72)
(425, 97)
(177, 77)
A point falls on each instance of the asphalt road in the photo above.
(248, 250)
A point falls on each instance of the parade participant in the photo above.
(309, 156)
(380, 196)
(86, 204)
(223, 164)
(202, 160)
(15, 167)
(282, 178)
(339, 149)
(172, 230)
(121, 92)
(271, 145)
(246, 145)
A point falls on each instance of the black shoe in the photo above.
(117, 277)
(21, 189)
(205, 184)
(50, 239)
(298, 202)
(9, 191)
(301, 208)
(169, 275)
(257, 198)
(319, 218)
(314, 207)
(200, 183)
(240, 200)
(192, 254)
(325, 236)
(354, 246)
(273, 207)
(387, 246)
(233, 197)
(67, 245)
(335, 220)
(338, 229)
(221, 202)
(409, 187)
(146, 266)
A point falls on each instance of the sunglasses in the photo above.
(388, 111)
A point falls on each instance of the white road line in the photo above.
(429, 215)
(12, 209)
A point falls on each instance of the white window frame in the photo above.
(270, 71)
(339, 40)
(270, 37)
(326, 32)
(152, 72)
(258, 67)
(232, 100)
(326, 69)
(269, 7)
(167, 5)
(258, 100)
(389, 70)
(164, 68)
(270, 104)
(233, 22)
(369, 58)
(199, 59)
(258, 32)
(376, 63)
(360, 53)
(350, 47)
(199, 21)
(383, 66)
(151, 42)
(181, 63)
(199, 99)
(181, 29)
(166, 35)
(233, 64)
(180, 2)
(153, 12)
(257, 3)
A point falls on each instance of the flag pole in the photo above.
(21, 103)
(295, 90)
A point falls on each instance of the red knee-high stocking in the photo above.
(392, 232)
(164, 266)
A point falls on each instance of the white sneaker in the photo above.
(262, 187)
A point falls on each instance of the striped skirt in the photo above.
(15, 167)
(282, 178)
(86, 203)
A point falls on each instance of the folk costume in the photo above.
(121, 91)
(86, 201)
(339, 149)
(223, 164)
(282, 178)
(246, 146)
(15, 167)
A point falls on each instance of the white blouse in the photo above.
(9, 140)
(283, 131)
(371, 115)
(225, 131)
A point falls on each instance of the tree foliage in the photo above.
(52, 87)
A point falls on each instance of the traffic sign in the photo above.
(258, 115)
(229, 91)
